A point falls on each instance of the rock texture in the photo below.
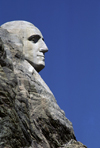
(29, 114)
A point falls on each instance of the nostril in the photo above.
(43, 50)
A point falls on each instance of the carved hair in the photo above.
(18, 27)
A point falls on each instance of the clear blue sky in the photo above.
(71, 29)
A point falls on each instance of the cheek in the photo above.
(27, 48)
(30, 50)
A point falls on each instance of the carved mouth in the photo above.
(41, 56)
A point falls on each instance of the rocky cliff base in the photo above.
(29, 114)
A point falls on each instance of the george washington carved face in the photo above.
(34, 47)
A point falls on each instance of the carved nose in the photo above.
(44, 48)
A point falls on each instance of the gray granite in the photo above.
(29, 114)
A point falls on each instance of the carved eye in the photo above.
(34, 38)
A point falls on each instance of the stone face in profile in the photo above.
(34, 46)
(29, 114)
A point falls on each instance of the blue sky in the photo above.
(71, 29)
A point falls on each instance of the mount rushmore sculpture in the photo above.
(29, 114)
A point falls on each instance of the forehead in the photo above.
(23, 29)
(32, 30)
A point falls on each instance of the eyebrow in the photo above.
(37, 36)
(31, 37)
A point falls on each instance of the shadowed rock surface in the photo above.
(29, 114)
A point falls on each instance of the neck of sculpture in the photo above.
(28, 66)
(35, 74)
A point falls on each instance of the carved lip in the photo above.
(41, 56)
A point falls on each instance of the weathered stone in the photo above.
(75, 144)
(29, 114)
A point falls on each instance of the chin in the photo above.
(39, 67)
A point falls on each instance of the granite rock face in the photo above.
(29, 114)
